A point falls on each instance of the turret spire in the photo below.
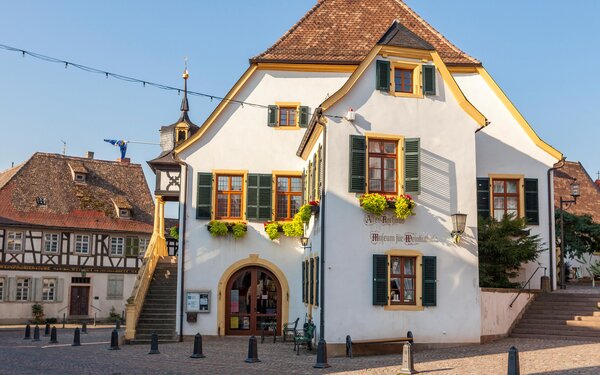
(184, 102)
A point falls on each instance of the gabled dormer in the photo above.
(79, 172)
(123, 208)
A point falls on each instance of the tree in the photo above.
(503, 246)
(582, 235)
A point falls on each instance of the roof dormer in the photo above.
(123, 208)
(79, 172)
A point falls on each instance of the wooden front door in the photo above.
(79, 300)
(253, 298)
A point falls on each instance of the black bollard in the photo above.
(36, 333)
(64, 320)
(408, 365)
(76, 338)
(84, 328)
(53, 339)
(197, 347)
(154, 344)
(47, 330)
(27, 332)
(118, 324)
(252, 351)
(321, 355)
(513, 361)
(114, 340)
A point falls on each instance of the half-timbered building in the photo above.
(72, 233)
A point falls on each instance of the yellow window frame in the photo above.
(417, 78)
(288, 105)
(418, 306)
(399, 159)
(229, 172)
(274, 188)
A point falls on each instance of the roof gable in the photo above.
(399, 36)
(345, 31)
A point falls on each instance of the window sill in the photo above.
(407, 95)
(285, 127)
(403, 308)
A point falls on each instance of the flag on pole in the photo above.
(120, 143)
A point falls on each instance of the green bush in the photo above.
(217, 228)
(272, 230)
(373, 203)
(304, 213)
(294, 228)
(37, 311)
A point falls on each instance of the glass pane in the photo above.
(292, 117)
(389, 163)
(222, 205)
(282, 184)
(296, 202)
(223, 183)
(240, 294)
(282, 207)
(409, 266)
(395, 266)
(389, 186)
(409, 296)
(511, 213)
(512, 203)
(283, 120)
(375, 146)
(236, 206)
(498, 186)
(374, 162)
(375, 185)
(390, 147)
(498, 214)
(236, 183)
(296, 184)
(266, 294)
(498, 203)
(395, 289)
(511, 187)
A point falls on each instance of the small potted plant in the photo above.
(273, 229)
(239, 230)
(404, 206)
(217, 228)
(373, 203)
(314, 207)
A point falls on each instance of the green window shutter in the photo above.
(132, 246)
(259, 199)
(383, 75)
(380, 279)
(204, 197)
(273, 116)
(304, 282)
(320, 172)
(429, 281)
(483, 197)
(313, 173)
(311, 279)
(532, 211)
(358, 164)
(428, 79)
(304, 192)
(412, 165)
(303, 120)
(310, 181)
(317, 264)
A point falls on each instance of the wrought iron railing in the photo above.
(527, 285)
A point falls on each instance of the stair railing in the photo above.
(526, 285)
(156, 248)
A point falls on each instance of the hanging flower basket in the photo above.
(375, 203)
(314, 207)
(404, 206)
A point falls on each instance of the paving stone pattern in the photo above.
(226, 356)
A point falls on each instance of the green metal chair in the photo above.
(290, 327)
(304, 337)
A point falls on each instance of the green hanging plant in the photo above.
(273, 230)
(304, 213)
(217, 228)
(239, 230)
(373, 203)
(404, 206)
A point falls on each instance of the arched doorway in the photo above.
(254, 297)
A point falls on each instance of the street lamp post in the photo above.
(565, 203)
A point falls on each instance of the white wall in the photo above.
(505, 148)
(20, 312)
(497, 317)
(241, 140)
(448, 174)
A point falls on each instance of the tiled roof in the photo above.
(344, 31)
(75, 205)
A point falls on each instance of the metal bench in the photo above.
(304, 337)
(290, 327)
(350, 342)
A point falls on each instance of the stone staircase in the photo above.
(561, 316)
(159, 310)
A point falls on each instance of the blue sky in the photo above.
(543, 53)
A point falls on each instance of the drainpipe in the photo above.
(551, 219)
(181, 248)
(322, 219)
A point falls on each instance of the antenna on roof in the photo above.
(64, 147)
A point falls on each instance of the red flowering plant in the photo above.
(314, 203)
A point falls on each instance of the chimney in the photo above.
(124, 160)
(597, 182)
(89, 155)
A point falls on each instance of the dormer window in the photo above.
(80, 177)
(78, 171)
(40, 201)
(123, 212)
(123, 208)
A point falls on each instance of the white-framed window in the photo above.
(2, 288)
(49, 289)
(51, 243)
(23, 288)
(144, 242)
(115, 287)
(14, 241)
(82, 244)
(117, 246)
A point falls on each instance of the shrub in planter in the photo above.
(294, 228)
(37, 311)
(404, 206)
(174, 231)
(239, 230)
(304, 213)
(217, 228)
(373, 203)
(273, 230)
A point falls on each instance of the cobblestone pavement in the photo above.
(226, 356)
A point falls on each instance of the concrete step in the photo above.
(591, 318)
(554, 327)
(555, 337)
(549, 304)
(570, 331)
(543, 321)
(588, 324)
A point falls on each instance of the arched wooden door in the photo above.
(253, 297)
